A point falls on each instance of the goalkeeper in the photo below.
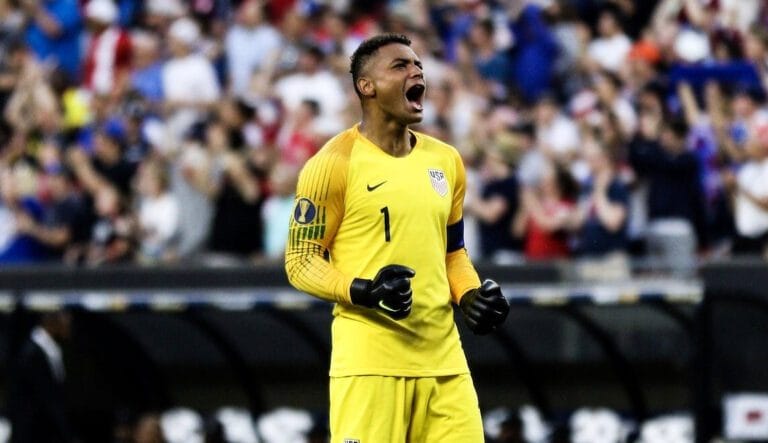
(377, 229)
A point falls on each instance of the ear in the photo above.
(366, 87)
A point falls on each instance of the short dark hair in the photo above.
(368, 48)
(678, 126)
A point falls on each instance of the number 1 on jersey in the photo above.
(385, 211)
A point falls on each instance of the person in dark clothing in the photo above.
(36, 401)
(658, 154)
(237, 223)
(496, 207)
(601, 219)
(66, 219)
(109, 162)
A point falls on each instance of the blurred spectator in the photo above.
(618, 111)
(108, 58)
(707, 140)
(112, 239)
(65, 224)
(659, 153)
(297, 139)
(158, 214)
(496, 207)
(147, 68)
(747, 116)
(750, 186)
(37, 404)
(190, 182)
(250, 44)
(107, 166)
(535, 52)
(53, 33)
(601, 219)
(11, 24)
(313, 81)
(12, 63)
(545, 213)
(32, 107)
(277, 208)
(490, 63)
(556, 134)
(532, 161)
(642, 61)
(190, 86)
(609, 50)
(237, 227)
(18, 188)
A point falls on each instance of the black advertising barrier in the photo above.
(189, 288)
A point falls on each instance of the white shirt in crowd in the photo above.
(610, 52)
(190, 79)
(751, 219)
(560, 136)
(159, 223)
(247, 50)
(322, 87)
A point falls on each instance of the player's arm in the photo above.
(318, 211)
(483, 306)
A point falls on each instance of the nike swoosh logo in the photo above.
(371, 188)
(385, 307)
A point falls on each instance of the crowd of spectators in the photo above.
(161, 131)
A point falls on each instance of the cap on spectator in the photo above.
(646, 51)
(103, 11)
(184, 30)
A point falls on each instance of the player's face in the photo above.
(398, 79)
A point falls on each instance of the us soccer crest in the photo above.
(439, 183)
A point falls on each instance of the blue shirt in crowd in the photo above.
(62, 49)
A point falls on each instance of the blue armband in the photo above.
(455, 236)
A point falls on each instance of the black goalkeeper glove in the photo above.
(484, 308)
(389, 292)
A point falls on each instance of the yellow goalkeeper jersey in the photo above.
(359, 209)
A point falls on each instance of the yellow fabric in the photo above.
(378, 409)
(337, 216)
(76, 108)
(461, 274)
(320, 195)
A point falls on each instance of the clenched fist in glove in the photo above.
(484, 308)
(389, 292)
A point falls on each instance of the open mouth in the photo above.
(414, 95)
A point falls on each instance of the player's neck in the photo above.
(393, 138)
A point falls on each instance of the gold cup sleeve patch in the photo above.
(305, 211)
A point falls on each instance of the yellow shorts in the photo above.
(378, 409)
